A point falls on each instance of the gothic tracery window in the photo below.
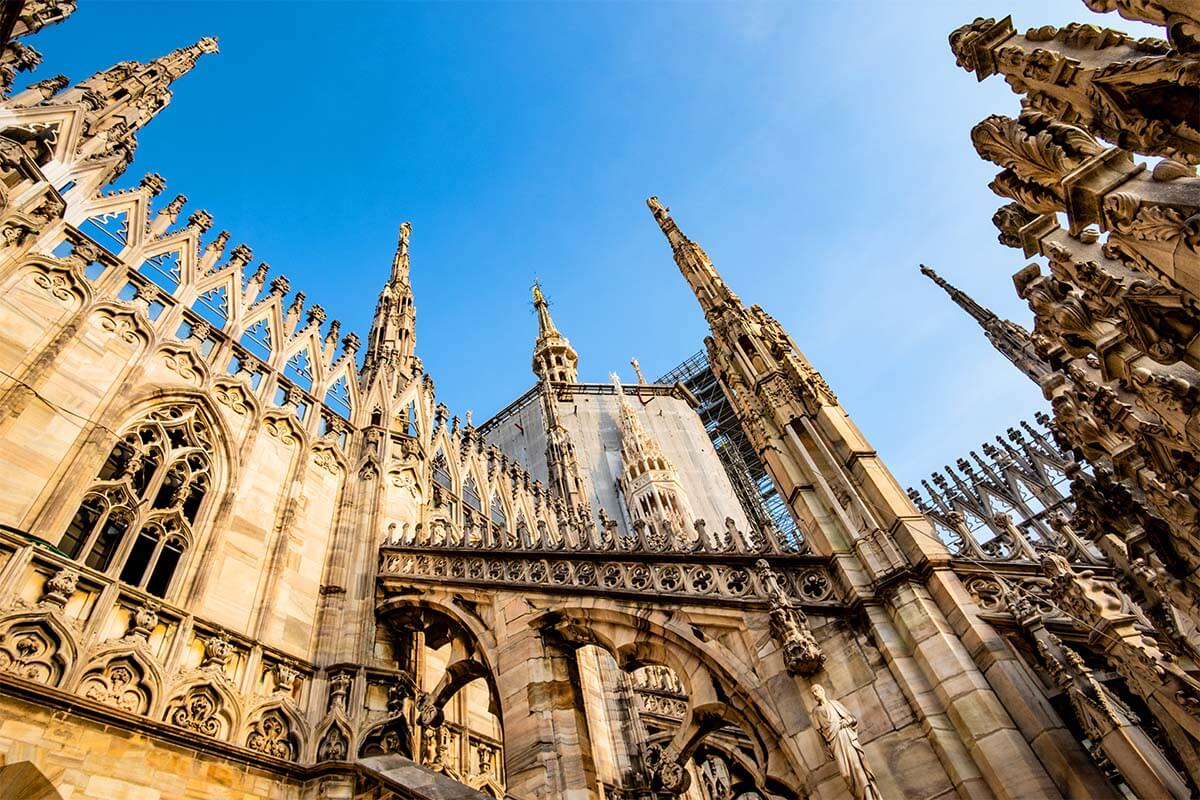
(441, 472)
(497, 512)
(137, 518)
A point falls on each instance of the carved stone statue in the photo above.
(839, 732)
(789, 625)
(339, 687)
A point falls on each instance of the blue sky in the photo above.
(818, 151)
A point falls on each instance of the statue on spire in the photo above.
(400, 265)
(693, 262)
(554, 360)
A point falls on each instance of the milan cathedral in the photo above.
(245, 555)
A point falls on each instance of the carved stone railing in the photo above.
(996, 588)
(662, 704)
(698, 577)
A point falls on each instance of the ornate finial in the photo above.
(201, 220)
(173, 208)
(153, 183)
(143, 621)
(241, 254)
(553, 357)
(217, 651)
(60, 586)
(286, 677)
(219, 242)
(51, 86)
(637, 368)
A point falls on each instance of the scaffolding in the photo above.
(753, 486)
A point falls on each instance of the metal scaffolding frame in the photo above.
(753, 486)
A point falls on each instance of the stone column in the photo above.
(547, 751)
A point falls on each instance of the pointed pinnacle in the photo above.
(967, 303)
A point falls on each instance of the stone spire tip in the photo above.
(928, 272)
(400, 260)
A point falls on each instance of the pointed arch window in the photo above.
(299, 370)
(257, 339)
(136, 520)
(164, 269)
(441, 472)
(470, 495)
(338, 398)
(497, 512)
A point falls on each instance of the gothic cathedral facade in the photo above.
(245, 555)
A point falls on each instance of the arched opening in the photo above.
(26, 781)
(658, 709)
(448, 704)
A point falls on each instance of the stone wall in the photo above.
(88, 760)
(592, 421)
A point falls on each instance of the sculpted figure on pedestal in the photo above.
(839, 732)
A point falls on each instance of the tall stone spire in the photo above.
(122, 99)
(392, 341)
(1013, 341)
(789, 413)
(636, 444)
(845, 500)
(694, 263)
(653, 492)
(554, 360)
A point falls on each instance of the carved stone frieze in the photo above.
(809, 584)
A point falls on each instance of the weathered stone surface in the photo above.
(276, 574)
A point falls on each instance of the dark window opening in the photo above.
(164, 570)
(106, 544)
